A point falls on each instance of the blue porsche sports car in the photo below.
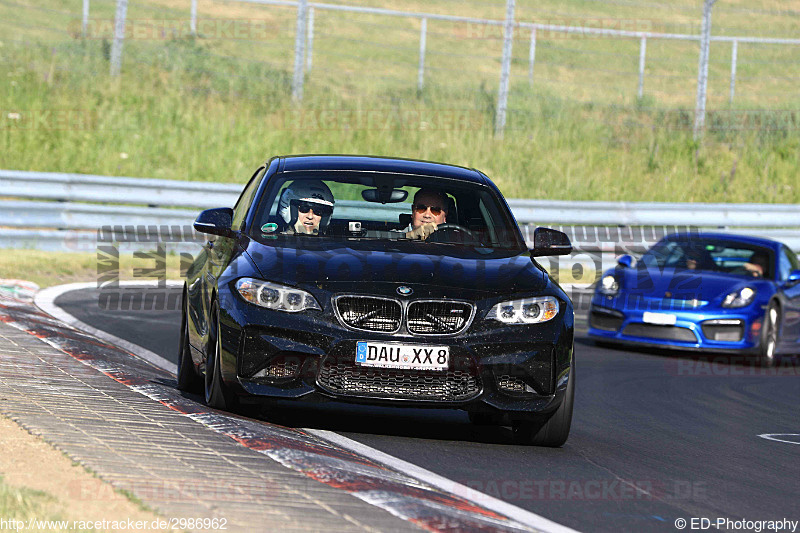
(703, 291)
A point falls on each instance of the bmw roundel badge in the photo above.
(402, 290)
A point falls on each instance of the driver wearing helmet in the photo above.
(427, 212)
(306, 207)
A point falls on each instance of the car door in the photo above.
(787, 262)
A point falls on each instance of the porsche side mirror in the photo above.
(548, 241)
(217, 221)
(794, 277)
(625, 261)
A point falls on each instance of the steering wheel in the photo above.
(442, 230)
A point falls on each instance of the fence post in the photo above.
(299, 41)
(702, 71)
(642, 54)
(505, 72)
(85, 20)
(532, 56)
(119, 36)
(423, 40)
(193, 19)
(734, 54)
(310, 39)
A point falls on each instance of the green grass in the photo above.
(47, 269)
(184, 110)
(22, 504)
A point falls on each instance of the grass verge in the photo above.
(47, 269)
(212, 108)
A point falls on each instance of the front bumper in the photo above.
(727, 331)
(519, 370)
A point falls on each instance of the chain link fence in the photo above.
(648, 61)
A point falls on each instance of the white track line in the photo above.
(773, 436)
(45, 301)
(449, 486)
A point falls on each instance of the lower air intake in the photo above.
(348, 379)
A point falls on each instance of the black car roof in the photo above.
(299, 163)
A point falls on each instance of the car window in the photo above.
(787, 262)
(244, 201)
(473, 214)
(710, 255)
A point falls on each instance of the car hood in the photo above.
(681, 284)
(343, 266)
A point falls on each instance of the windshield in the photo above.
(710, 255)
(335, 206)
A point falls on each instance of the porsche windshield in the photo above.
(373, 206)
(710, 255)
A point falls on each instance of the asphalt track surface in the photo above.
(656, 436)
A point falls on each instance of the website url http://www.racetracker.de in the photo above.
(730, 524)
(159, 524)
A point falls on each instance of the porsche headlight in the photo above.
(609, 285)
(739, 298)
(276, 297)
(525, 311)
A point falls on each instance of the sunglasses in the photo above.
(319, 210)
(421, 208)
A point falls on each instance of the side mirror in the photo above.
(625, 261)
(794, 276)
(215, 222)
(548, 241)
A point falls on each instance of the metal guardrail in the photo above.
(90, 188)
(656, 213)
(33, 223)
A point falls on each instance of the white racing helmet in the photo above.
(310, 191)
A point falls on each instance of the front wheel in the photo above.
(217, 394)
(769, 336)
(554, 431)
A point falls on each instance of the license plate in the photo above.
(403, 356)
(662, 319)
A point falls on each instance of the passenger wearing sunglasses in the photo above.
(427, 212)
(306, 206)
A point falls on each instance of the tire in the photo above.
(216, 393)
(484, 419)
(188, 380)
(769, 336)
(554, 431)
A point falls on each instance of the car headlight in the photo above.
(739, 298)
(276, 297)
(525, 311)
(609, 285)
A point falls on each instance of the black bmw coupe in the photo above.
(380, 281)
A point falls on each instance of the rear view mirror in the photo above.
(548, 241)
(215, 222)
(794, 276)
(384, 195)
